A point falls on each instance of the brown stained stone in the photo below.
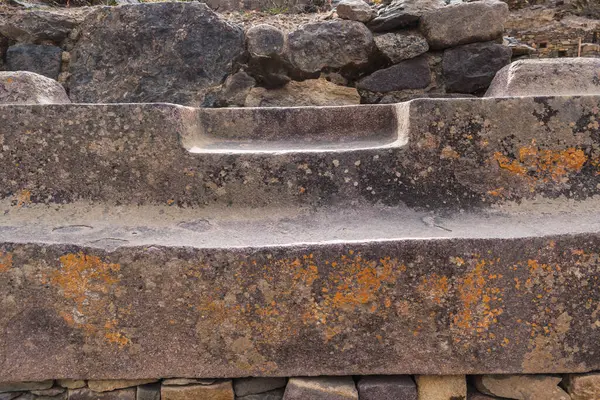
(522, 387)
(71, 383)
(321, 388)
(217, 391)
(438, 387)
(108, 385)
(583, 386)
(25, 386)
(276, 394)
(87, 394)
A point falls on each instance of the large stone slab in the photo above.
(20, 87)
(547, 77)
(165, 62)
(463, 23)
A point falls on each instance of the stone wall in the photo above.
(390, 387)
(160, 53)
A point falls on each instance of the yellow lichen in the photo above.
(6, 261)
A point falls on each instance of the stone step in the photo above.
(429, 153)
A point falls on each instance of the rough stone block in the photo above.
(10, 395)
(321, 388)
(164, 65)
(35, 26)
(583, 386)
(71, 383)
(463, 23)
(217, 391)
(25, 386)
(43, 60)
(28, 88)
(265, 40)
(330, 44)
(547, 77)
(521, 387)
(276, 394)
(403, 45)
(53, 391)
(402, 13)
(388, 387)
(355, 10)
(148, 392)
(246, 386)
(87, 394)
(472, 67)
(409, 74)
(108, 385)
(441, 387)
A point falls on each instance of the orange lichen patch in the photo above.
(480, 303)
(6, 261)
(23, 198)
(449, 153)
(86, 281)
(434, 286)
(538, 166)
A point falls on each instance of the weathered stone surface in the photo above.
(11, 395)
(472, 67)
(547, 77)
(233, 92)
(331, 44)
(35, 26)
(25, 386)
(265, 40)
(53, 391)
(398, 387)
(473, 394)
(311, 92)
(246, 386)
(402, 13)
(436, 387)
(148, 392)
(463, 23)
(321, 388)
(583, 386)
(43, 60)
(108, 385)
(409, 74)
(217, 391)
(521, 387)
(187, 381)
(164, 65)
(28, 88)
(87, 394)
(355, 10)
(276, 394)
(71, 383)
(403, 45)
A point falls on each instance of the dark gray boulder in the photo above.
(388, 387)
(402, 13)
(403, 45)
(330, 44)
(35, 26)
(410, 74)
(153, 52)
(43, 60)
(471, 68)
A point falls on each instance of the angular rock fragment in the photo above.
(330, 44)
(23, 386)
(217, 391)
(403, 45)
(402, 13)
(43, 60)
(547, 77)
(583, 386)
(321, 388)
(311, 92)
(148, 392)
(71, 383)
(166, 64)
(246, 386)
(35, 26)
(441, 387)
(265, 40)
(463, 23)
(472, 67)
(409, 74)
(108, 385)
(355, 10)
(521, 387)
(276, 394)
(87, 394)
(389, 387)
